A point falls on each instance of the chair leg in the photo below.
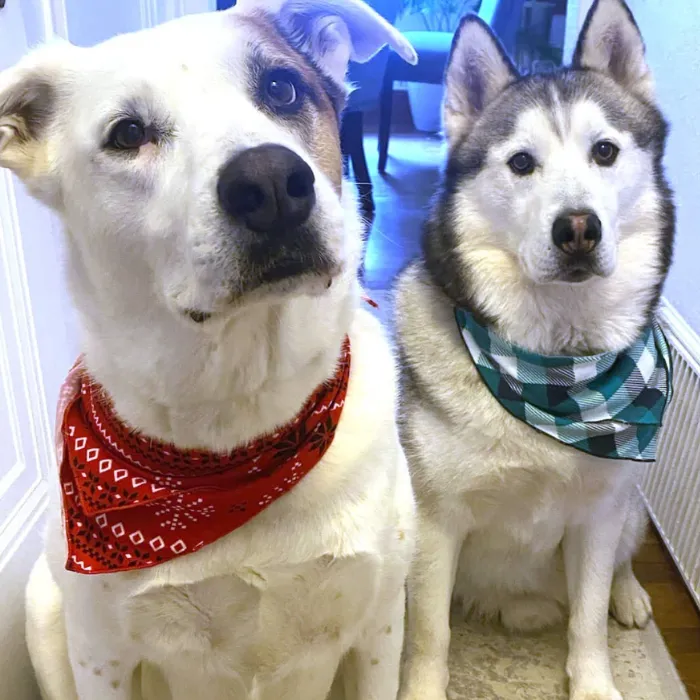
(386, 101)
(351, 143)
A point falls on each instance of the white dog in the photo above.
(548, 244)
(212, 250)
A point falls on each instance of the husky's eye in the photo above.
(522, 163)
(128, 134)
(604, 152)
(281, 90)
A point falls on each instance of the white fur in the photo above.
(513, 523)
(523, 209)
(270, 611)
(510, 222)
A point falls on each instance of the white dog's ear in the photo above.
(477, 71)
(28, 97)
(610, 42)
(25, 108)
(333, 32)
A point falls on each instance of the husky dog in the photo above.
(212, 254)
(553, 229)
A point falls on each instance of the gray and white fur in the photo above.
(554, 224)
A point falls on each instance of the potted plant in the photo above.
(433, 16)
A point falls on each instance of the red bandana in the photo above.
(131, 503)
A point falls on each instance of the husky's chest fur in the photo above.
(502, 474)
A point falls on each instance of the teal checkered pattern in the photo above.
(609, 405)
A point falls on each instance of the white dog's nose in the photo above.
(269, 188)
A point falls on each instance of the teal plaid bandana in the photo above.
(609, 405)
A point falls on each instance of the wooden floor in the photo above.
(674, 610)
(402, 199)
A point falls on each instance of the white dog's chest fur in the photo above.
(250, 625)
(296, 584)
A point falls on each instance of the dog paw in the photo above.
(595, 691)
(630, 604)
(424, 694)
(424, 682)
(530, 614)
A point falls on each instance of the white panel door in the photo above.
(38, 335)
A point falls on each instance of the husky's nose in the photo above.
(269, 188)
(576, 232)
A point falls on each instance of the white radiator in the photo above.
(671, 487)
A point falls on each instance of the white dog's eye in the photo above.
(522, 163)
(604, 153)
(281, 90)
(128, 134)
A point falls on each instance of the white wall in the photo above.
(104, 19)
(89, 22)
(671, 29)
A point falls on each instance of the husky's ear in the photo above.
(477, 71)
(28, 96)
(610, 42)
(334, 32)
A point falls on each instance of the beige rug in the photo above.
(486, 663)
